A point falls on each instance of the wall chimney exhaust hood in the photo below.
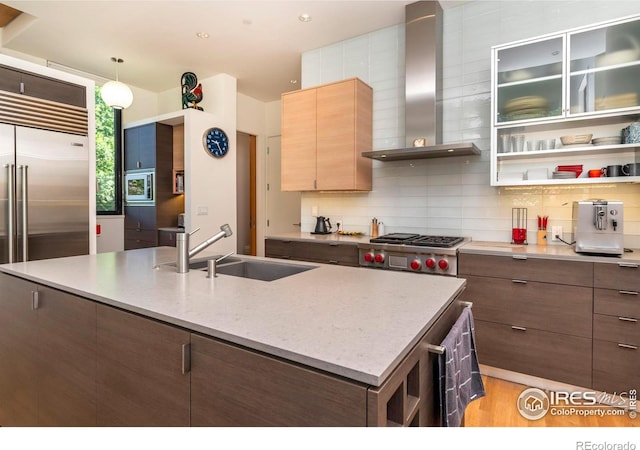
(423, 89)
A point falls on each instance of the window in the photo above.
(108, 158)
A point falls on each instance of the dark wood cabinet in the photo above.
(69, 361)
(47, 356)
(142, 371)
(140, 230)
(341, 253)
(141, 144)
(18, 353)
(409, 397)
(534, 315)
(67, 345)
(554, 356)
(151, 147)
(34, 85)
(232, 386)
(616, 327)
(167, 238)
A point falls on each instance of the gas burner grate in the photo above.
(394, 238)
(436, 241)
(418, 240)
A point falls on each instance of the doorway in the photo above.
(246, 193)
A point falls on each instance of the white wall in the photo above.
(210, 183)
(453, 195)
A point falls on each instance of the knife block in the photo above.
(542, 237)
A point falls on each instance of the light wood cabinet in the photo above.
(534, 315)
(324, 131)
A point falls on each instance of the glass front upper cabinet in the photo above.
(604, 69)
(529, 81)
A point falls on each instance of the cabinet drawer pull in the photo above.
(519, 281)
(35, 300)
(333, 261)
(628, 292)
(513, 327)
(520, 257)
(627, 319)
(333, 244)
(630, 347)
(628, 265)
(186, 358)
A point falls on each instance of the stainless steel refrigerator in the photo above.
(44, 194)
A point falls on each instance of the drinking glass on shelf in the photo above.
(505, 143)
(548, 144)
(534, 145)
(517, 143)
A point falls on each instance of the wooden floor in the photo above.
(498, 409)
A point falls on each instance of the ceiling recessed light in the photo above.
(304, 18)
(202, 34)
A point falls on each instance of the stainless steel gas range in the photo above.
(413, 253)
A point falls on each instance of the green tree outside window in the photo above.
(108, 180)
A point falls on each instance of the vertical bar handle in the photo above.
(186, 358)
(11, 200)
(35, 300)
(25, 212)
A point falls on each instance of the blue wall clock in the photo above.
(216, 142)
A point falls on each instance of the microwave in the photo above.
(139, 186)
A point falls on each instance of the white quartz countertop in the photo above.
(544, 251)
(354, 322)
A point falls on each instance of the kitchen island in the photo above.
(328, 346)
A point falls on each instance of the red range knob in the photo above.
(431, 263)
(368, 257)
(379, 258)
(443, 264)
(416, 264)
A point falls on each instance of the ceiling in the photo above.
(258, 42)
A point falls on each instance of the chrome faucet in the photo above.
(184, 255)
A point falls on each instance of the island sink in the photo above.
(260, 270)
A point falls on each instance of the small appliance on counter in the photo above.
(181, 220)
(323, 226)
(598, 227)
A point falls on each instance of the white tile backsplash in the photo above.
(452, 195)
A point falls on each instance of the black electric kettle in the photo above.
(323, 226)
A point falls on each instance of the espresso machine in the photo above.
(598, 227)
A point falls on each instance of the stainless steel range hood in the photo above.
(423, 89)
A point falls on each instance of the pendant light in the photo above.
(116, 94)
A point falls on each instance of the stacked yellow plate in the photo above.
(527, 107)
